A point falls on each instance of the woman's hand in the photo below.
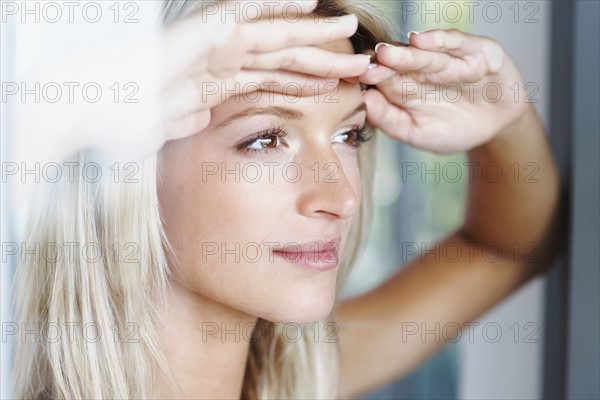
(448, 92)
(273, 53)
(511, 210)
(168, 78)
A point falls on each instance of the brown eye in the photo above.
(349, 138)
(354, 137)
(269, 142)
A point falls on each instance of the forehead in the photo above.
(333, 101)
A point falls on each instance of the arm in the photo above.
(518, 208)
(376, 343)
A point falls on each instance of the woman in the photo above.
(234, 237)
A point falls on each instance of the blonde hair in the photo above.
(110, 291)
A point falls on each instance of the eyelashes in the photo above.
(358, 135)
(264, 142)
(271, 140)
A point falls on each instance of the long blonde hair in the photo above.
(86, 304)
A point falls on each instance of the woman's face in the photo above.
(257, 224)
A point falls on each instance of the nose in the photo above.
(326, 191)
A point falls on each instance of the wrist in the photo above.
(515, 134)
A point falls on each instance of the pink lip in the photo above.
(319, 255)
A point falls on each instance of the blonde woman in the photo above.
(217, 261)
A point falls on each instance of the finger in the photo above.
(461, 45)
(393, 120)
(288, 9)
(376, 74)
(201, 93)
(451, 41)
(187, 125)
(284, 82)
(246, 84)
(187, 40)
(401, 89)
(310, 60)
(279, 34)
(256, 10)
(216, 27)
(407, 59)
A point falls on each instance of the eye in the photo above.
(354, 137)
(266, 142)
(269, 142)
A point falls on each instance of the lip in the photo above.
(318, 255)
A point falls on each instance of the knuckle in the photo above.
(270, 76)
(439, 39)
(329, 68)
(289, 38)
(243, 35)
(288, 60)
(250, 61)
(303, 84)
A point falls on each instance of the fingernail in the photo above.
(412, 32)
(368, 57)
(381, 44)
(372, 66)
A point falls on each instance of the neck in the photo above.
(206, 345)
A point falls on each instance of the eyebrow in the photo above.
(281, 112)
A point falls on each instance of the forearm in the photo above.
(513, 209)
(386, 327)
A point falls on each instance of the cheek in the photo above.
(205, 216)
(353, 175)
(210, 202)
(205, 202)
(351, 170)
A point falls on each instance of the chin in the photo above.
(301, 307)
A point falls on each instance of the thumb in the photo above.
(391, 119)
